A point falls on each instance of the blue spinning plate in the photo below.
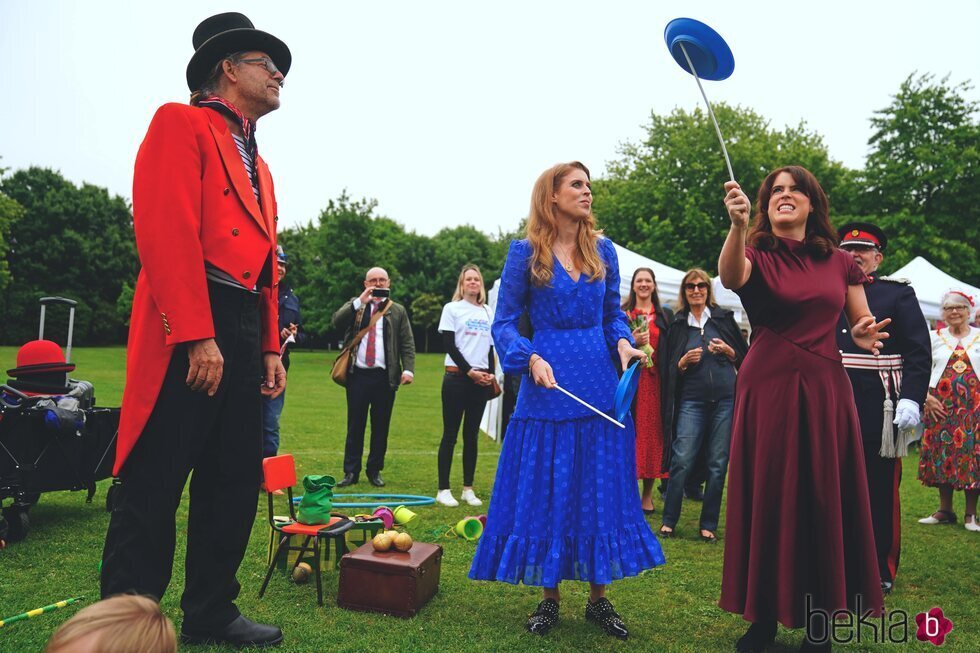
(711, 56)
(626, 390)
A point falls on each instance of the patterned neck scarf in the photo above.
(228, 109)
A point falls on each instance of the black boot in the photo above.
(603, 614)
(807, 646)
(755, 640)
(544, 618)
(239, 633)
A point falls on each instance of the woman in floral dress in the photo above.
(950, 453)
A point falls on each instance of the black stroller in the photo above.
(52, 435)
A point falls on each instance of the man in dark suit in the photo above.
(383, 360)
(888, 389)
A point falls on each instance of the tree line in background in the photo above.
(662, 198)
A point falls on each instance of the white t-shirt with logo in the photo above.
(471, 324)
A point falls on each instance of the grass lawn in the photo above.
(670, 609)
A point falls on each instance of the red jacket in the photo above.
(192, 202)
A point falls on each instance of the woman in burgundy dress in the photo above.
(643, 305)
(798, 523)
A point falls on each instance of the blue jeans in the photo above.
(271, 410)
(707, 424)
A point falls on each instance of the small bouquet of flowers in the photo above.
(638, 322)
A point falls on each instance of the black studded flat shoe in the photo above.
(807, 646)
(544, 618)
(602, 613)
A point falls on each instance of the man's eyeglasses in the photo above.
(265, 61)
(701, 285)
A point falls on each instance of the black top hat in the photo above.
(862, 233)
(224, 34)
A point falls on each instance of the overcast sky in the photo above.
(446, 112)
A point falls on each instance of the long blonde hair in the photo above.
(458, 295)
(542, 229)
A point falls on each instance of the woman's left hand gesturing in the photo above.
(627, 353)
(867, 333)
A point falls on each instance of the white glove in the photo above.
(906, 414)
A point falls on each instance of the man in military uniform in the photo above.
(889, 389)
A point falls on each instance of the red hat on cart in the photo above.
(40, 357)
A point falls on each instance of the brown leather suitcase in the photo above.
(393, 582)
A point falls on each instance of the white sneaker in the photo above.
(445, 497)
(969, 523)
(469, 497)
(947, 517)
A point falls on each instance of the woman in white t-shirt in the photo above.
(465, 328)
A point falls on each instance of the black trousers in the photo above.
(461, 398)
(220, 438)
(367, 391)
(884, 477)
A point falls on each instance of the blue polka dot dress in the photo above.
(565, 504)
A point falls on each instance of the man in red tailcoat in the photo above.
(203, 341)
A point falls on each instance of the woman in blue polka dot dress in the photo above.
(565, 504)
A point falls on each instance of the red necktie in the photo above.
(371, 340)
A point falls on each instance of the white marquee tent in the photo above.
(930, 284)
(669, 281)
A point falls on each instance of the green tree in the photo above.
(328, 259)
(337, 251)
(73, 241)
(922, 177)
(454, 248)
(10, 212)
(663, 197)
(426, 311)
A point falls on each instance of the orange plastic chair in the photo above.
(280, 474)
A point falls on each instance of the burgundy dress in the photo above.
(798, 520)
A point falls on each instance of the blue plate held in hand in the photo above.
(626, 390)
(711, 56)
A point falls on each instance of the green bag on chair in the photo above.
(314, 507)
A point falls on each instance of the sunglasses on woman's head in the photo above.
(701, 285)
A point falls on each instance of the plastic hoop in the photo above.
(389, 500)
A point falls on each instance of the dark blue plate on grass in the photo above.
(626, 390)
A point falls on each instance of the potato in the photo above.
(301, 573)
(382, 542)
(403, 542)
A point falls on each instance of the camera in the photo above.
(381, 292)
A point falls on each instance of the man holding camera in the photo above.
(384, 359)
